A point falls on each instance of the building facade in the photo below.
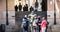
(12, 3)
(51, 9)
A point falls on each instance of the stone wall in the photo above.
(50, 17)
(3, 9)
(11, 5)
(50, 7)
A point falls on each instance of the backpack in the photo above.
(47, 23)
(26, 23)
(39, 21)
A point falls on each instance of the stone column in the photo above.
(57, 8)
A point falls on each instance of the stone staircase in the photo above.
(13, 28)
(21, 15)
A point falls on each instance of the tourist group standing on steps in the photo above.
(34, 23)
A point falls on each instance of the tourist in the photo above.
(43, 24)
(34, 24)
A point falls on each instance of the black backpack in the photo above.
(47, 23)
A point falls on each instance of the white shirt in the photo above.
(34, 23)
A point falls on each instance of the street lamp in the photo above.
(54, 13)
(7, 12)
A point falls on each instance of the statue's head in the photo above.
(32, 12)
(25, 16)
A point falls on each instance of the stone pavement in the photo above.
(13, 28)
(54, 28)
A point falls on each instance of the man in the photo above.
(39, 22)
(25, 24)
(36, 6)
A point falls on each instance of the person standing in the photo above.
(39, 22)
(43, 24)
(34, 24)
(25, 24)
(20, 7)
(36, 6)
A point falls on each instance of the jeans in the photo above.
(36, 29)
(43, 29)
(24, 30)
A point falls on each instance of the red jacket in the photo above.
(43, 24)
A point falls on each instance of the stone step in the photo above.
(56, 27)
(13, 28)
(21, 14)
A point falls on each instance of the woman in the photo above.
(35, 24)
(43, 24)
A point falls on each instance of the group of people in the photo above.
(38, 24)
(25, 7)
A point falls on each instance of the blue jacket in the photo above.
(25, 21)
